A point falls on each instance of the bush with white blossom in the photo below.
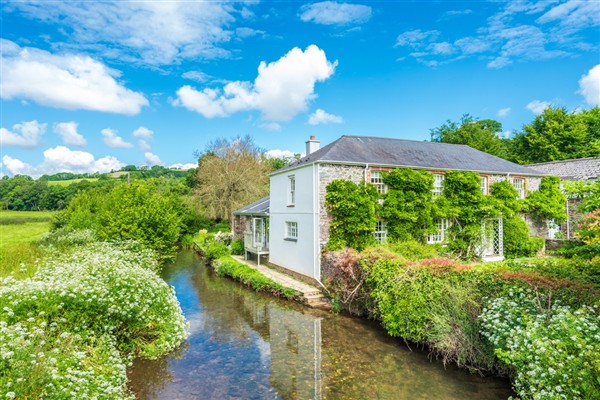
(69, 331)
(553, 348)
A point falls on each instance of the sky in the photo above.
(92, 86)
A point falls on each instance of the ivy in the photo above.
(353, 208)
(548, 202)
(408, 208)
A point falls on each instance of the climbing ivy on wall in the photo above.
(548, 202)
(408, 209)
(354, 211)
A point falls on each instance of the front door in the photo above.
(258, 228)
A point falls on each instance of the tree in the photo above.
(231, 174)
(481, 135)
(558, 135)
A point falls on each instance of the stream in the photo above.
(244, 345)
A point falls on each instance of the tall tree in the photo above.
(482, 135)
(231, 174)
(557, 135)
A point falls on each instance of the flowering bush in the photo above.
(554, 349)
(78, 316)
(589, 230)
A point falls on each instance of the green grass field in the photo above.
(71, 181)
(19, 230)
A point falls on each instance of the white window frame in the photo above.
(484, 184)
(377, 180)
(380, 233)
(520, 186)
(291, 230)
(291, 190)
(440, 235)
(438, 184)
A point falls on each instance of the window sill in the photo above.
(290, 239)
(291, 205)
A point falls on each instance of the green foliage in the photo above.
(558, 135)
(408, 208)
(508, 198)
(517, 242)
(353, 208)
(577, 249)
(481, 135)
(589, 229)
(548, 202)
(586, 271)
(227, 266)
(587, 191)
(413, 250)
(237, 247)
(553, 348)
(82, 315)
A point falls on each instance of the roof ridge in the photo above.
(564, 161)
(402, 139)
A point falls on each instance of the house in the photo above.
(580, 169)
(298, 220)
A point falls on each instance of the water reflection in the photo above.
(247, 346)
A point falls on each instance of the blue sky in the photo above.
(91, 86)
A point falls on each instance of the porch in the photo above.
(251, 224)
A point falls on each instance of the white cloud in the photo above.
(443, 48)
(183, 167)
(70, 81)
(69, 135)
(144, 145)
(321, 117)
(245, 32)
(334, 13)
(111, 139)
(416, 38)
(271, 126)
(589, 86)
(281, 90)
(152, 159)
(503, 112)
(472, 45)
(62, 159)
(278, 153)
(26, 134)
(537, 107)
(151, 32)
(143, 132)
(197, 76)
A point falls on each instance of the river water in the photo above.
(244, 345)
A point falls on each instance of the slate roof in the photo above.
(577, 169)
(380, 151)
(259, 207)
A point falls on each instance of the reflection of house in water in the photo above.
(295, 354)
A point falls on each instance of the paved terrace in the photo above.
(311, 295)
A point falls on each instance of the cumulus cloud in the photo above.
(26, 134)
(69, 135)
(69, 81)
(278, 153)
(334, 13)
(183, 166)
(322, 117)
(589, 86)
(143, 132)
(148, 32)
(152, 159)
(281, 90)
(144, 145)
(62, 159)
(537, 107)
(503, 112)
(111, 139)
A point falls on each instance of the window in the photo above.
(380, 233)
(519, 184)
(378, 182)
(438, 237)
(438, 184)
(291, 231)
(484, 184)
(291, 190)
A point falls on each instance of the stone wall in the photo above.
(327, 174)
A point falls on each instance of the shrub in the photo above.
(414, 250)
(237, 247)
(517, 242)
(214, 250)
(589, 229)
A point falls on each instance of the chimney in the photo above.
(312, 145)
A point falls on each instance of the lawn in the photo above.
(19, 230)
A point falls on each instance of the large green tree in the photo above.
(557, 135)
(480, 134)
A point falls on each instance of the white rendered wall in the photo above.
(301, 256)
